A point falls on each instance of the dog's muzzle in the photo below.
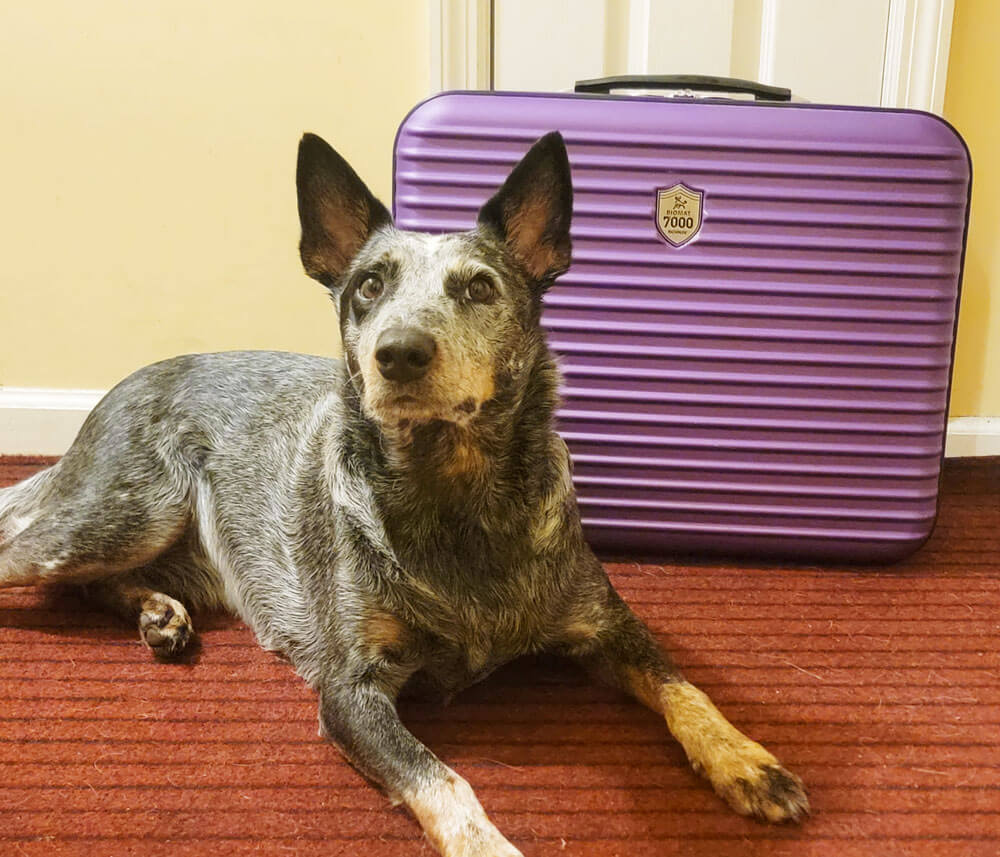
(404, 353)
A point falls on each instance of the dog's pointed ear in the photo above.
(532, 210)
(336, 210)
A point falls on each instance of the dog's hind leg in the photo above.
(120, 496)
(616, 646)
(62, 546)
(164, 623)
(74, 524)
(158, 595)
(19, 504)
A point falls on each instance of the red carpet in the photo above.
(881, 688)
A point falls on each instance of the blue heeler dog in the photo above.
(403, 514)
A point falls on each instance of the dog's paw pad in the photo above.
(770, 794)
(164, 625)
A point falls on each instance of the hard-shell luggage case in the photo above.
(757, 331)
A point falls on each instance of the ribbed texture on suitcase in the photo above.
(780, 384)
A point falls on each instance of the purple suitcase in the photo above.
(757, 331)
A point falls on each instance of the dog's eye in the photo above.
(480, 290)
(371, 288)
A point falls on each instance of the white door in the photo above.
(892, 53)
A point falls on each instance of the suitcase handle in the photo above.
(705, 83)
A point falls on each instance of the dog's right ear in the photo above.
(336, 210)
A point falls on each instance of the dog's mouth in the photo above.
(393, 408)
(404, 410)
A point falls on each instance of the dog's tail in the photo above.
(21, 503)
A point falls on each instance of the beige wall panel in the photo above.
(830, 51)
(547, 45)
(690, 38)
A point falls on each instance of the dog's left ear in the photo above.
(532, 210)
(336, 210)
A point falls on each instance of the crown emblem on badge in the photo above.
(679, 213)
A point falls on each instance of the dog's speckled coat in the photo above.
(380, 531)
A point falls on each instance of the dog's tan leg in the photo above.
(618, 647)
(742, 772)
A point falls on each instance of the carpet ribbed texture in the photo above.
(879, 687)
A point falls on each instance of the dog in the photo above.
(404, 514)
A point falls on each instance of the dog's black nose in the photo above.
(404, 353)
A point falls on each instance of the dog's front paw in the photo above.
(754, 783)
(164, 625)
(481, 841)
(455, 821)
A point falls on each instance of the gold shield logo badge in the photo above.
(679, 213)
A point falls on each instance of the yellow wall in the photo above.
(147, 161)
(147, 152)
(972, 104)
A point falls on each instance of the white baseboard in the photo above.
(36, 421)
(969, 436)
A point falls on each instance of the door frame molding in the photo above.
(461, 44)
(917, 47)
